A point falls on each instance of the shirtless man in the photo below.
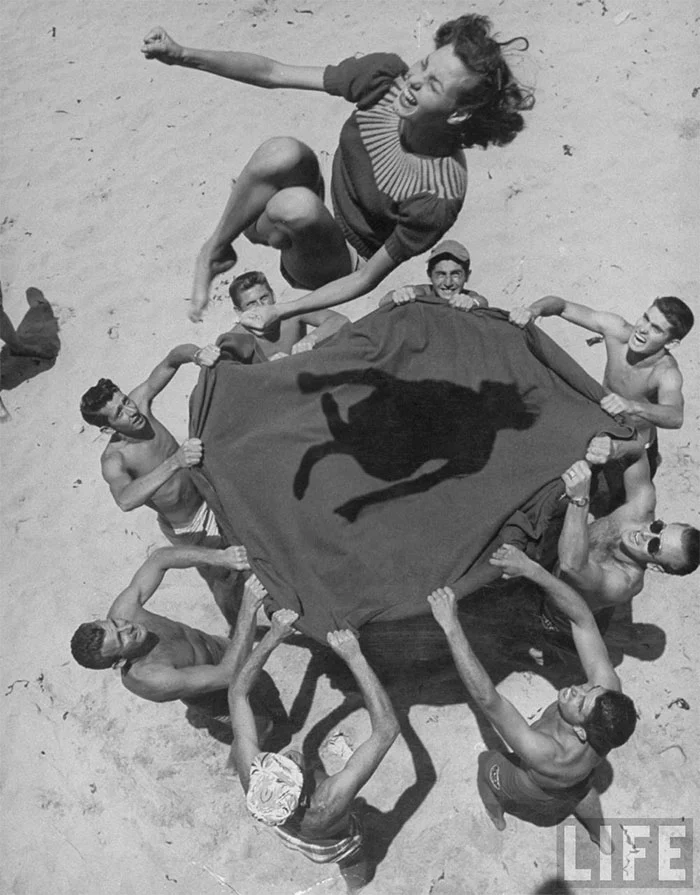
(144, 466)
(142, 463)
(606, 560)
(162, 660)
(548, 774)
(290, 336)
(310, 811)
(449, 268)
(642, 376)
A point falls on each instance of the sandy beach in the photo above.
(114, 171)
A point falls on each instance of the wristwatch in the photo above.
(578, 501)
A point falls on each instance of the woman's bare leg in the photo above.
(311, 243)
(279, 163)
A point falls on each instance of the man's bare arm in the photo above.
(130, 492)
(590, 647)
(161, 375)
(574, 551)
(338, 791)
(553, 306)
(640, 493)
(536, 748)
(163, 683)
(326, 322)
(355, 284)
(149, 576)
(667, 412)
(247, 68)
(245, 736)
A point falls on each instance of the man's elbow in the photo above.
(571, 569)
(490, 705)
(126, 505)
(166, 696)
(389, 730)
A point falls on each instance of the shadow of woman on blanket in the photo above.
(385, 431)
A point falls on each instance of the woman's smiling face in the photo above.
(436, 87)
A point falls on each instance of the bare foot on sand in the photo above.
(210, 263)
(600, 835)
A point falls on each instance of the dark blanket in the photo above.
(392, 459)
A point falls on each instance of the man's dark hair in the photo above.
(86, 646)
(678, 314)
(441, 257)
(93, 402)
(498, 99)
(690, 545)
(611, 722)
(246, 281)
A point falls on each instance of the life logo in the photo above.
(647, 853)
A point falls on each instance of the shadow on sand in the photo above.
(413, 660)
(32, 347)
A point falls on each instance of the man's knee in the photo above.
(295, 208)
(283, 156)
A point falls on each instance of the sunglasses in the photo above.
(654, 544)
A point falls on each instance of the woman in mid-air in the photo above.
(399, 174)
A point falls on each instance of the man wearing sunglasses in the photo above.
(606, 560)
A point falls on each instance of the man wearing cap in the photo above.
(310, 810)
(448, 271)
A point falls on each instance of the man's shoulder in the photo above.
(144, 674)
(113, 452)
(615, 330)
(666, 367)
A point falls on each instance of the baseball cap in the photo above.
(450, 247)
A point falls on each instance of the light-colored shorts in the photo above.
(201, 531)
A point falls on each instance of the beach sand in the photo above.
(114, 171)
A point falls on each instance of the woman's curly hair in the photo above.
(497, 101)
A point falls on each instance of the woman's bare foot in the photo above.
(211, 261)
